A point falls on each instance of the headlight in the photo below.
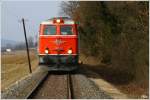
(69, 51)
(58, 20)
(46, 51)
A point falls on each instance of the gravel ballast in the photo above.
(54, 87)
(22, 88)
(83, 88)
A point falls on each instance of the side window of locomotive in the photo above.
(50, 30)
(66, 30)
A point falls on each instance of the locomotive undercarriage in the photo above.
(59, 62)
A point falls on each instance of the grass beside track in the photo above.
(14, 66)
(119, 79)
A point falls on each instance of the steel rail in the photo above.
(69, 87)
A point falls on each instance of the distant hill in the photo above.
(5, 43)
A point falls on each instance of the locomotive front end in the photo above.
(58, 44)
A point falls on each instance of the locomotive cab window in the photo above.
(50, 30)
(66, 30)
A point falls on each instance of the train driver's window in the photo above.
(50, 30)
(66, 30)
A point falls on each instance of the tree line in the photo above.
(21, 45)
(117, 33)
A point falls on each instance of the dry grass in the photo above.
(14, 66)
(120, 79)
(135, 90)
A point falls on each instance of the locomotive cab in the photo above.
(58, 44)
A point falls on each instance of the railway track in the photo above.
(53, 86)
(44, 85)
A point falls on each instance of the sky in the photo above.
(34, 12)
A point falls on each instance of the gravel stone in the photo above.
(22, 88)
(83, 88)
(54, 87)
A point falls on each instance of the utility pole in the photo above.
(27, 48)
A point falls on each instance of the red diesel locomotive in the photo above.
(58, 44)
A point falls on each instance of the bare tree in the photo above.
(69, 8)
(116, 32)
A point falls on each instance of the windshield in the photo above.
(50, 30)
(66, 30)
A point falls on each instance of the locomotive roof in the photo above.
(66, 19)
